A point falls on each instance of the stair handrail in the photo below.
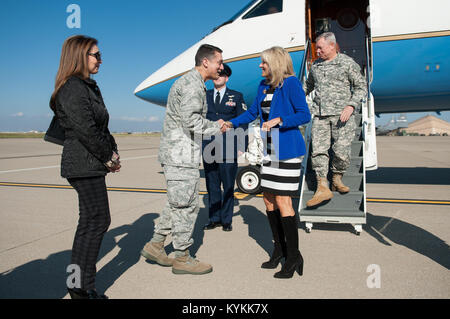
(302, 75)
(368, 77)
(303, 69)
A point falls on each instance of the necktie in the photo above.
(217, 100)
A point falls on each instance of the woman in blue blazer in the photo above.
(282, 108)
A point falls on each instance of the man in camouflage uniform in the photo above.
(179, 154)
(339, 89)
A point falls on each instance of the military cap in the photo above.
(226, 70)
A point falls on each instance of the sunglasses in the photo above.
(97, 55)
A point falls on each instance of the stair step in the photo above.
(350, 203)
(353, 181)
(356, 166)
(358, 133)
(334, 213)
(356, 148)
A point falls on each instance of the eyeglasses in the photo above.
(97, 55)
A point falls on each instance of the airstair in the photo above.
(347, 208)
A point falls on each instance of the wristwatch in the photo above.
(281, 122)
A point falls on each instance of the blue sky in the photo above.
(136, 38)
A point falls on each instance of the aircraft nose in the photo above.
(157, 93)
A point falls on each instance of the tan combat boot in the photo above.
(155, 252)
(322, 193)
(337, 184)
(188, 265)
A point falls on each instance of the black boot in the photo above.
(294, 259)
(77, 293)
(279, 250)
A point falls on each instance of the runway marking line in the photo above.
(238, 195)
(408, 201)
(56, 166)
(28, 169)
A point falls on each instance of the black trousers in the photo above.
(92, 225)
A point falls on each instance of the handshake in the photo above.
(224, 125)
(267, 126)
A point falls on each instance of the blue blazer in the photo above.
(289, 103)
(232, 105)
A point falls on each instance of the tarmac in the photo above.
(402, 252)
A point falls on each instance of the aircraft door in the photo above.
(347, 19)
(350, 33)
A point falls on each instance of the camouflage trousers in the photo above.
(324, 129)
(180, 212)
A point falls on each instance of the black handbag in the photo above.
(55, 133)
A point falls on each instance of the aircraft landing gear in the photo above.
(249, 180)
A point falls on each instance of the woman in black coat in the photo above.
(89, 153)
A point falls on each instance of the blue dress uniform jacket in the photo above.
(222, 172)
(232, 105)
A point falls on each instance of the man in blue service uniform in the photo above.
(224, 104)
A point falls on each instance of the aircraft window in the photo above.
(237, 15)
(264, 8)
(348, 18)
(242, 10)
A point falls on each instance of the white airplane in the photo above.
(402, 46)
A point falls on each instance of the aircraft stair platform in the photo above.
(349, 208)
(342, 208)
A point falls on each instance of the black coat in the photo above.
(88, 144)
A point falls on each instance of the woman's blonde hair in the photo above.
(74, 57)
(280, 65)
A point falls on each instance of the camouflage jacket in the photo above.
(337, 83)
(185, 122)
